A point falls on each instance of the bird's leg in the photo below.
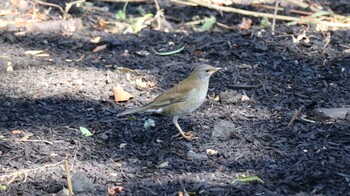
(183, 134)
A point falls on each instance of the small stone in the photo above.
(223, 130)
(81, 183)
(228, 97)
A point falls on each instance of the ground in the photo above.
(265, 79)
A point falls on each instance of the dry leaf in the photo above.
(95, 40)
(151, 84)
(17, 131)
(102, 23)
(140, 83)
(212, 152)
(122, 145)
(33, 52)
(120, 94)
(43, 55)
(245, 24)
(114, 190)
(143, 53)
(101, 47)
(9, 68)
(245, 98)
(164, 164)
(217, 98)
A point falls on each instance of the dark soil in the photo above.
(51, 97)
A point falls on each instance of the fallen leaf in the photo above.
(114, 190)
(143, 53)
(33, 52)
(120, 94)
(247, 179)
(95, 40)
(212, 152)
(122, 145)
(9, 68)
(164, 164)
(217, 98)
(99, 48)
(125, 53)
(151, 84)
(245, 98)
(170, 52)
(85, 131)
(245, 24)
(43, 55)
(140, 83)
(17, 131)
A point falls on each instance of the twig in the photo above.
(274, 18)
(183, 2)
(158, 14)
(24, 172)
(69, 180)
(240, 11)
(25, 140)
(296, 114)
(304, 20)
(282, 9)
(65, 14)
(302, 5)
(69, 5)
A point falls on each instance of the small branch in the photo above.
(69, 5)
(69, 180)
(304, 20)
(274, 18)
(25, 140)
(296, 114)
(240, 11)
(158, 14)
(282, 9)
(65, 14)
(24, 172)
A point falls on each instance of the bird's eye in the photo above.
(207, 70)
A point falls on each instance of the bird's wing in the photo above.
(174, 95)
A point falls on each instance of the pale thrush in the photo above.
(181, 99)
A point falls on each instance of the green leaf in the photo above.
(248, 179)
(3, 187)
(170, 52)
(121, 14)
(149, 123)
(139, 22)
(85, 131)
(264, 22)
(208, 23)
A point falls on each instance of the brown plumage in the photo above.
(181, 99)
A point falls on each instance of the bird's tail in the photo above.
(131, 111)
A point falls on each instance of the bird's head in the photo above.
(204, 71)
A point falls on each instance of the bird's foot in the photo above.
(188, 135)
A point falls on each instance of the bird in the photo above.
(182, 99)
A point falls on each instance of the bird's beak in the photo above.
(215, 69)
